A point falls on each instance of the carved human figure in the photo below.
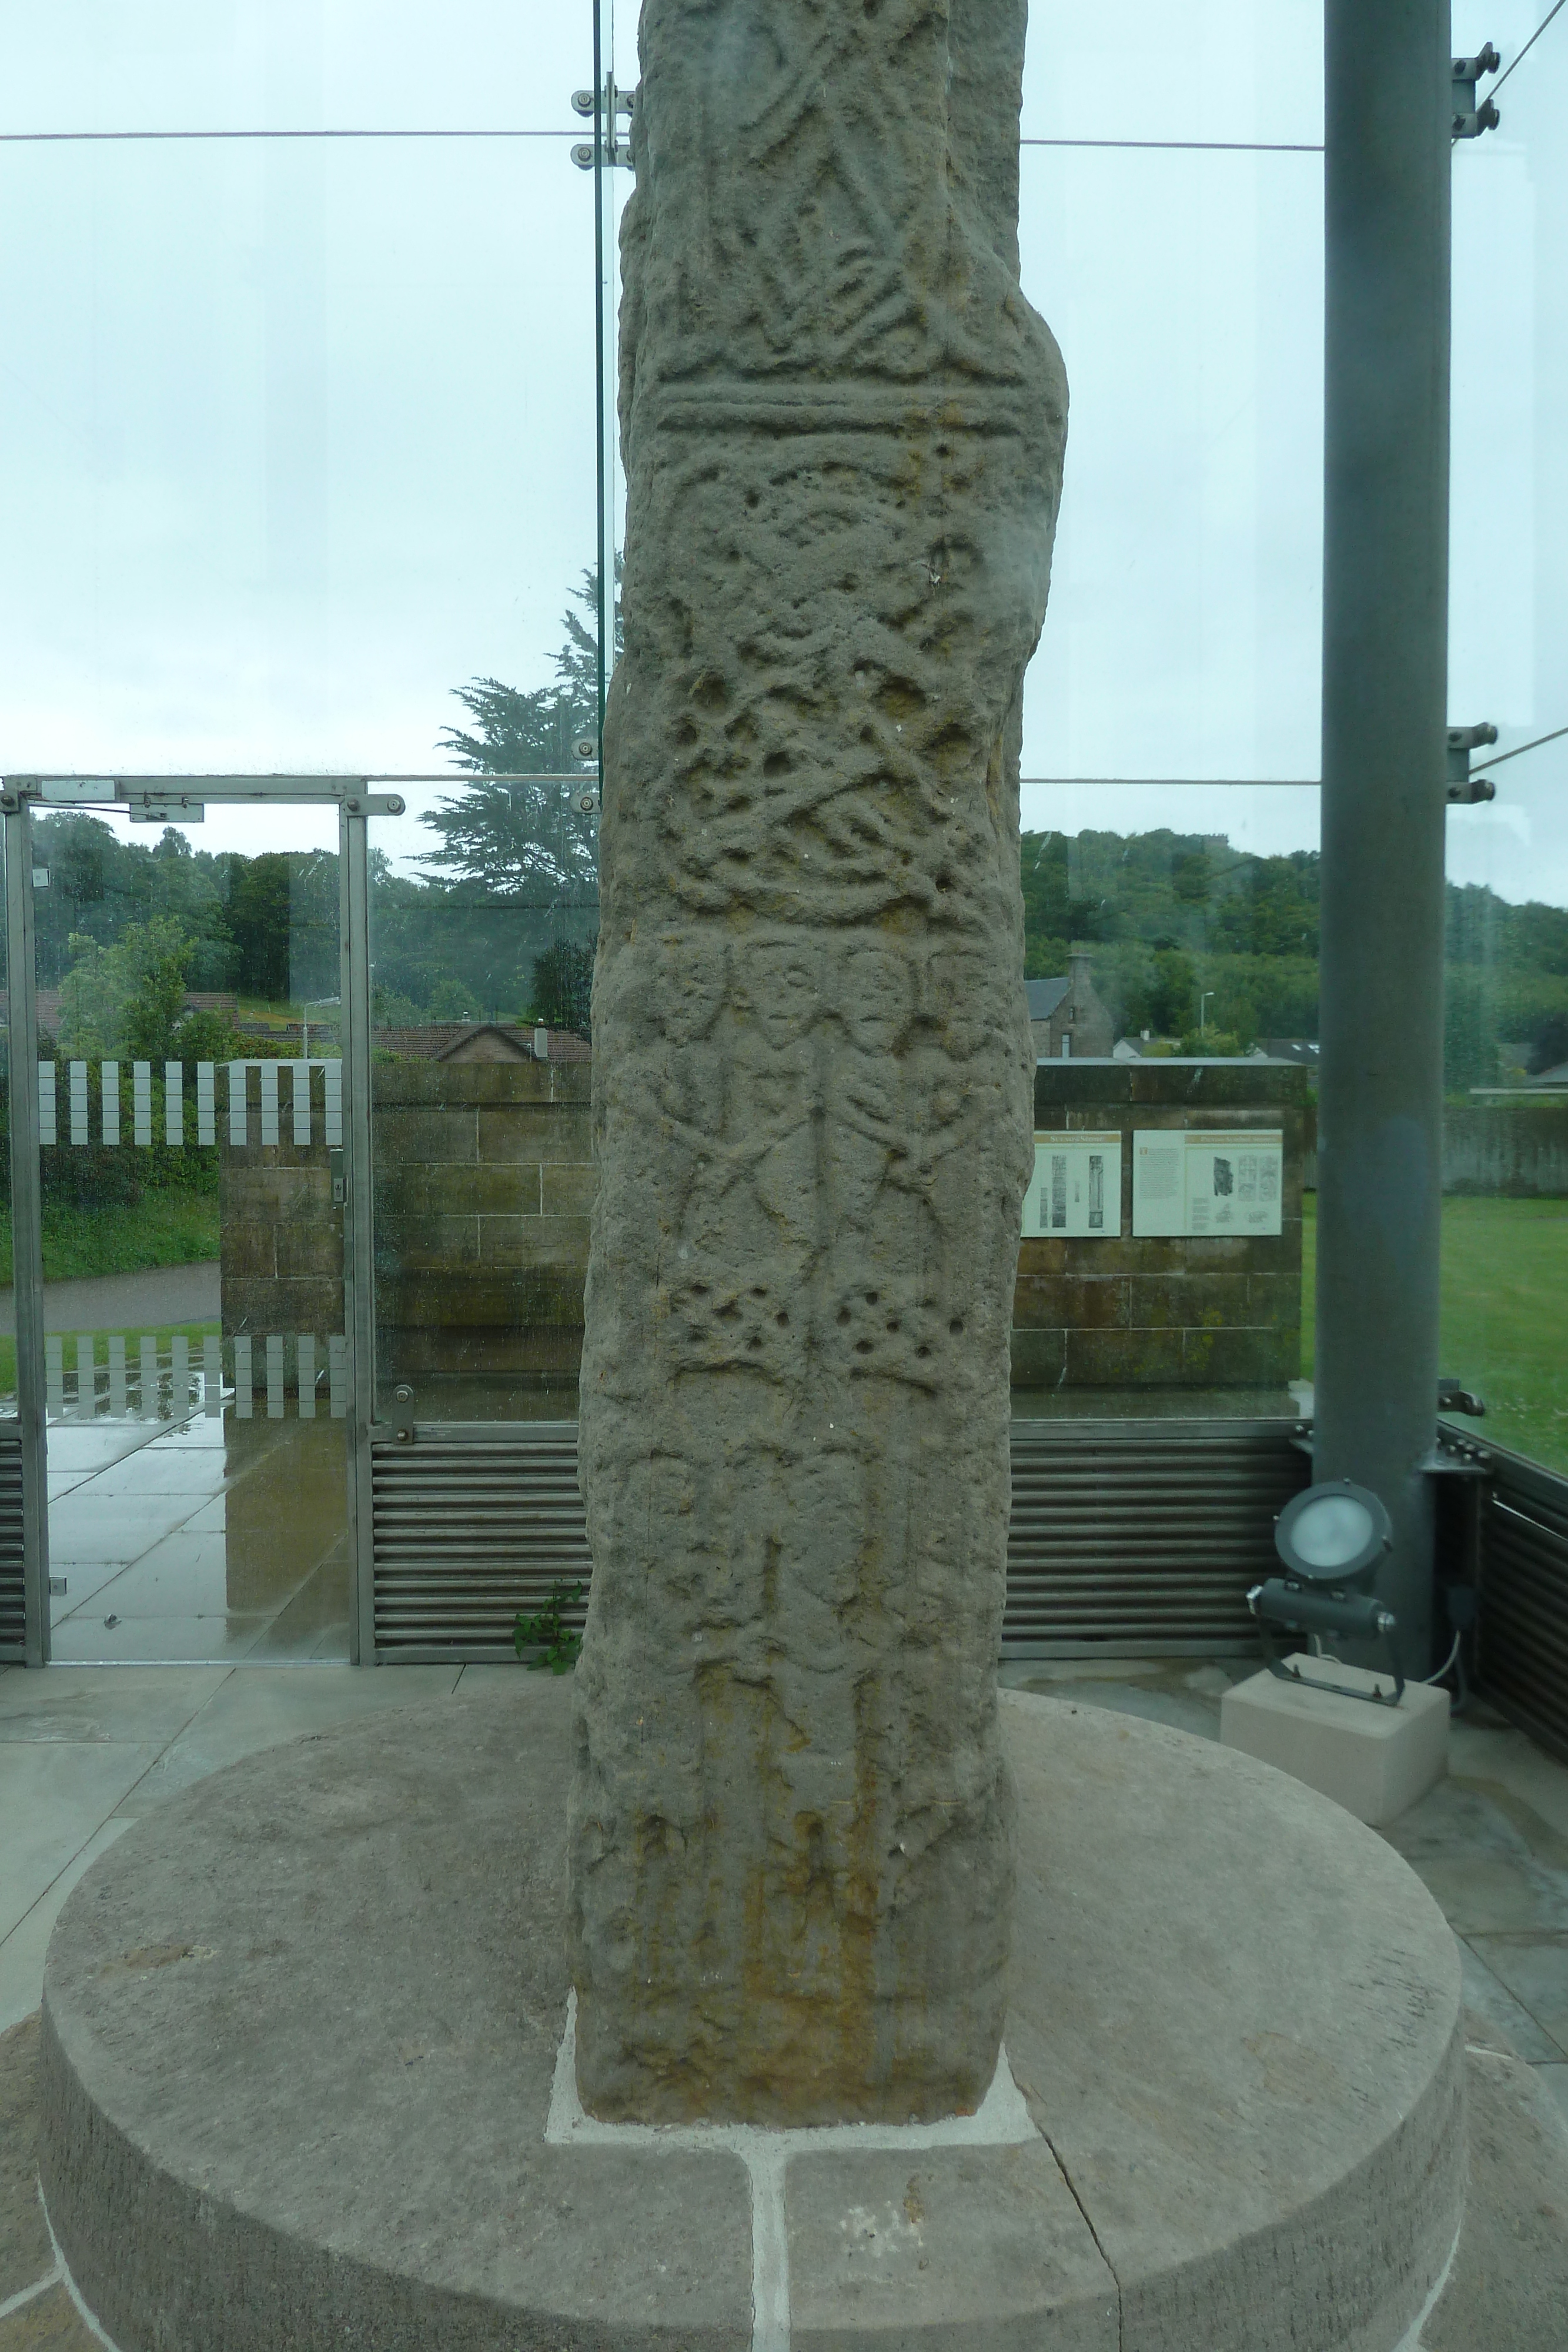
(843, 427)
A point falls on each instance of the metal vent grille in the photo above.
(13, 1595)
(470, 1526)
(1142, 1537)
(1522, 1633)
(1131, 1537)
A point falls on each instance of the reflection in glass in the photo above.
(1173, 986)
(196, 1363)
(484, 910)
(1505, 1159)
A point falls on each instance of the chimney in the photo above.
(1078, 981)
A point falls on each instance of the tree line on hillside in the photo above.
(499, 914)
(1173, 919)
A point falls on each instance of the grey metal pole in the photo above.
(1385, 564)
(26, 1228)
(359, 1274)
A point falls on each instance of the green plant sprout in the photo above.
(548, 1632)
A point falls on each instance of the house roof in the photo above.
(487, 1040)
(1044, 996)
(467, 1041)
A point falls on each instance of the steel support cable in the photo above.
(1198, 146)
(1524, 52)
(59, 138)
(1536, 741)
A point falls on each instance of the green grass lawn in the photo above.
(164, 1229)
(1504, 1315)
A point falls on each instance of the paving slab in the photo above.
(82, 1528)
(216, 1640)
(53, 1797)
(185, 1575)
(258, 1706)
(80, 1703)
(1534, 1969)
(1479, 1864)
(1487, 1996)
(302, 2023)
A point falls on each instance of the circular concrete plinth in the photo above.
(302, 2027)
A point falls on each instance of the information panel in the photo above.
(1195, 1180)
(1076, 1188)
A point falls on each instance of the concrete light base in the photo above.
(1375, 1761)
(302, 2038)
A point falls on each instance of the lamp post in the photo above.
(1203, 1011)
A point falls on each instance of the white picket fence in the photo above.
(171, 1384)
(77, 1106)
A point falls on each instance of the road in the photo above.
(149, 1301)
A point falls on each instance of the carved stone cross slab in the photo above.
(844, 427)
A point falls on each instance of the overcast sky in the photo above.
(297, 436)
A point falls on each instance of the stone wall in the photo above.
(483, 1186)
(1207, 1312)
(1515, 1150)
(281, 1244)
(1518, 1149)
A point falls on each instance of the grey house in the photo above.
(1066, 1016)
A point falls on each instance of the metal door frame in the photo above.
(172, 797)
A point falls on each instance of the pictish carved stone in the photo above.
(843, 428)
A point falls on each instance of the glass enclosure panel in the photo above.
(8, 1310)
(1183, 634)
(266, 65)
(196, 1367)
(13, 1594)
(1217, 70)
(299, 440)
(484, 912)
(1171, 927)
(1172, 960)
(1505, 1212)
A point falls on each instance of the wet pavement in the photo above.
(210, 1539)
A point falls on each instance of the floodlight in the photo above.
(1329, 1537)
(1333, 1533)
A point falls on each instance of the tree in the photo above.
(563, 986)
(126, 1002)
(527, 844)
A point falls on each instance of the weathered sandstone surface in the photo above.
(843, 427)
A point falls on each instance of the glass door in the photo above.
(196, 1373)
(483, 912)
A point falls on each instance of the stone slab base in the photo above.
(303, 2032)
(1374, 1761)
